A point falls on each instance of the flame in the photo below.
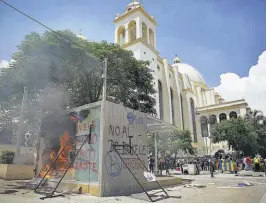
(63, 160)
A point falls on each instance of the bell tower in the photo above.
(135, 30)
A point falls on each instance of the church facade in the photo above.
(183, 98)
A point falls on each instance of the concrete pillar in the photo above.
(138, 28)
(115, 35)
(200, 100)
(126, 33)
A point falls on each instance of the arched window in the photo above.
(204, 126)
(121, 36)
(213, 121)
(132, 31)
(144, 31)
(158, 67)
(233, 115)
(192, 104)
(182, 111)
(160, 100)
(151, 37)
(222, 117)
(172, 105)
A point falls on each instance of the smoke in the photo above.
(54, 98)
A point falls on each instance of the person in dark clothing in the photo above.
(167, 166)
(202, 165)
(197, 167)
(211, 166)
(151, 164)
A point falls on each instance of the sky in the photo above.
(217, 37)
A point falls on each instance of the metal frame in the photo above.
(88, 138)
(138, 158)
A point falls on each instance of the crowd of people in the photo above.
(211, 163)
(258, 164)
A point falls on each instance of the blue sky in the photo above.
(214, 36)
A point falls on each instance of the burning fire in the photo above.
(63, 160)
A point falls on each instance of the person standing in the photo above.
(248, 163)
(257, 164)
(167, 166)
(151, 164)
(211, 166)
(202, 164)
(197, 166)
(244, 163)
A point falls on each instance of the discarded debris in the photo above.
(45, 182)
(245, 184)
(8, 192)
(230, 187)
(78, 190)
(194, 186)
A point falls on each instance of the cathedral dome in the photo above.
(80, 35)
(176, 60)
(191, 72)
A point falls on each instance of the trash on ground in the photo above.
(241, 185)
(245, 184)
(77, 190)
(149, 176)
(8, 192)
(230, 187)
(194, 186)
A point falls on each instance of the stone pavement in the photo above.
(220, 189)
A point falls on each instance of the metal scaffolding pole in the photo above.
(156, 153)
(104, 96)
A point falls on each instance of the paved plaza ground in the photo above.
(221, 189)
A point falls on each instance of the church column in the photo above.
(168, 99)
(218, 119)
(200, 100)
(116, 35)
(138, 28)
(126, 33)
(148, 37)
(155, 38)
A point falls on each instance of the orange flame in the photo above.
(63, 159)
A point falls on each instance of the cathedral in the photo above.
(183, 98)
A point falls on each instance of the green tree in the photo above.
(238, 133)
(62, 73)
(258, 121)
(172, 142)
(48, 59)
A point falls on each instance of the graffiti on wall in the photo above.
(133, 119)
(118, 133)
(87, 162)
(126, 142)
(113, 163)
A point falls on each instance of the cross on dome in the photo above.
(133, 5)
(176, 59)
(80, 35)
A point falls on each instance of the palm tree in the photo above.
(256, 117)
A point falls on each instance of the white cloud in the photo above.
(4, 64)
(251, 88)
